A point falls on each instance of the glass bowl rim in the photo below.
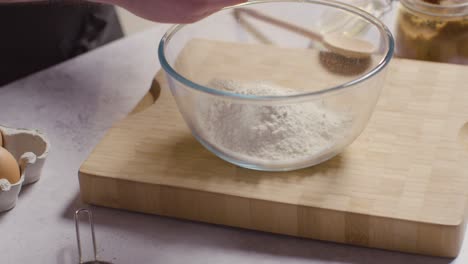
(331, 3)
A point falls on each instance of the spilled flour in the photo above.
(274, 134)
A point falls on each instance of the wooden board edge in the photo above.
(292, 220)
(144, 103)
(149, 98)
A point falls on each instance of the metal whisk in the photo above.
(78, 240)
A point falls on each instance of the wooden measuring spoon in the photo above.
(335, 42)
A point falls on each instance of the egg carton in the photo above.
(30, 148)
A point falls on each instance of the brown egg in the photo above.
(9, 168)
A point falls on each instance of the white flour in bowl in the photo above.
(269, 134)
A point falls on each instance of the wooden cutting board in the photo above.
(401, 185)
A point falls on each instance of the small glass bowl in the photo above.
(267, 97)
(433, 32)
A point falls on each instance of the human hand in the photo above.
(173, 11)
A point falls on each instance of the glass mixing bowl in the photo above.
(258, 87)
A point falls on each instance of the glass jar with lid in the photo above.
(433, 30)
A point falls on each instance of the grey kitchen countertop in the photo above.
(74, 104)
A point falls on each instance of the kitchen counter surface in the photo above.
(74, 104)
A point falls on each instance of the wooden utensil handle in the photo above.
(280, 23)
